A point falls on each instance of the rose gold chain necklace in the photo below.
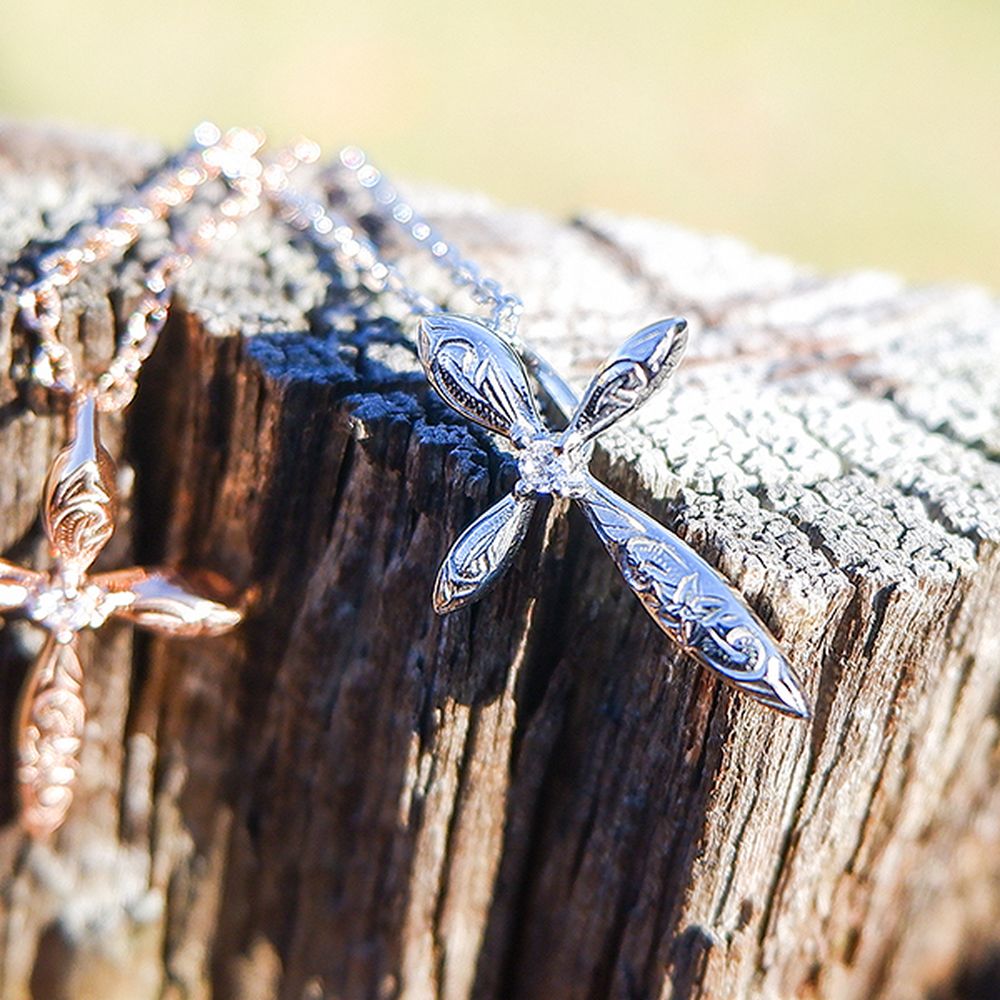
(80, 499)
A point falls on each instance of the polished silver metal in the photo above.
(505, 308)
(482, 377)
(481, 367)
(356, 254)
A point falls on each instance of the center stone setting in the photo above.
(64, 610)
(548, 468)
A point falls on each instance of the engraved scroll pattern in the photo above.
(479, 375)
(691, 603)
(49, 737)
(79, 508)
(482, 553)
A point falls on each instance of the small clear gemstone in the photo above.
(63, 610)
(548, 469)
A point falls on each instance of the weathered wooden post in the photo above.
(533, 798)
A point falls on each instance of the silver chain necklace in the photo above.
(480, 367)
(80, 498)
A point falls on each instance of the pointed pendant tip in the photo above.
(792, 702)
(446, 598)
(799, 712)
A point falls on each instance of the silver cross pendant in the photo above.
(482, 377)
(78, 513)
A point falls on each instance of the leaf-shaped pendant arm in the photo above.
(478, 374)
(691, 602)
(628, 378)
(18, 585)
(79, 507)
(164, 602)
(482, 553)
(49, 736)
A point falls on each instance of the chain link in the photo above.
(210, 155)
(243, 173)
(354, 253)
(464, 273)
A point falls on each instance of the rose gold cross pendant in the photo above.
(78, 512)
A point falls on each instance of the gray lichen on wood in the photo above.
(534, 797)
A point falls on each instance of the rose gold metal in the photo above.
(79, 506)
(80, 500)
(242, 172)
(212, 154)
(49, 737)
(78, 513)
(78, 510)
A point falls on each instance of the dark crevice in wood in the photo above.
(943, 429)
(891, 737)
(15, 662)
(740, 830)
(153, 451)
(832, 669)
(976, 979)
(552, 631)
(682, 854)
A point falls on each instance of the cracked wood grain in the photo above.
(534, 797)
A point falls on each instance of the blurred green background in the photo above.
(844, 134)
